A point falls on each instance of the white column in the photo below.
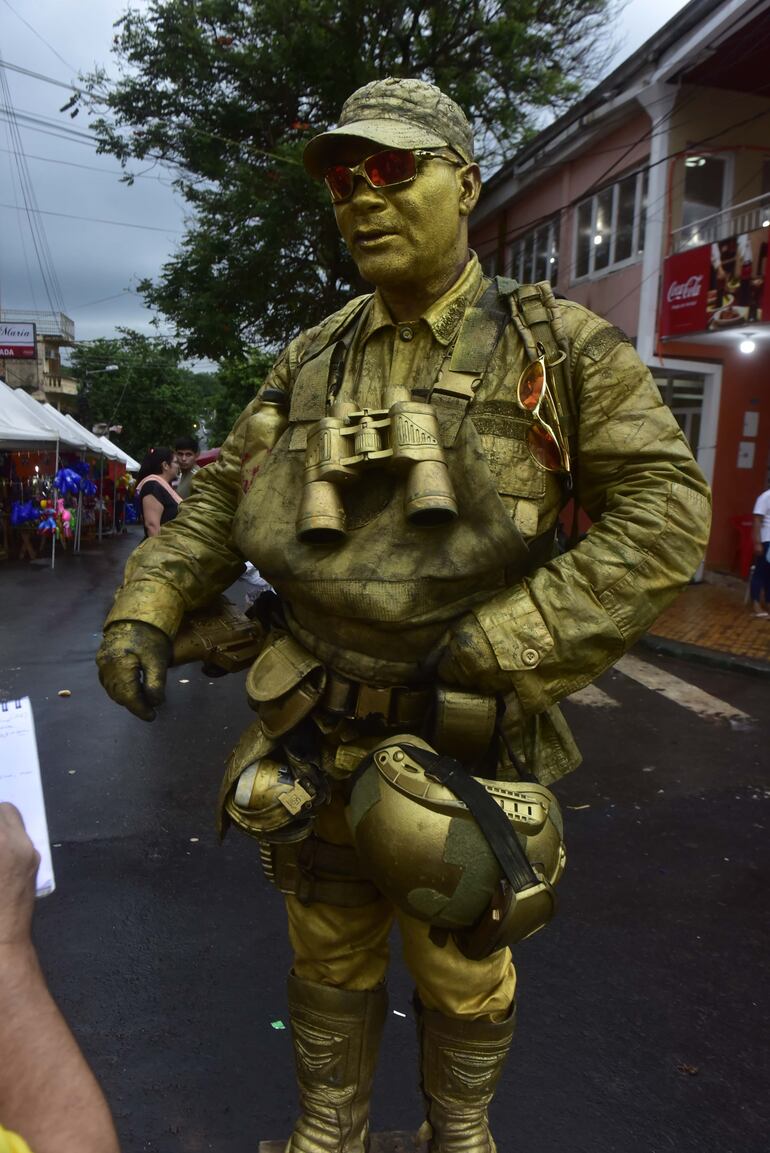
(658, 100)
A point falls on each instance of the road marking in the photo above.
(678, 691)
(594, 697)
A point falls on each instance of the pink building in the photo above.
(649, 202)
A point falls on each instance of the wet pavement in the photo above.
(644, 1007)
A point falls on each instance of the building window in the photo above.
(610, 226)
(705, 194)
(535, 255)
(489, 264)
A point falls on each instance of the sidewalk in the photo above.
(712, 622)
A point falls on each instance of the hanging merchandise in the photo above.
(22, 512)
(67, 481)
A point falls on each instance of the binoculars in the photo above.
(404, 438)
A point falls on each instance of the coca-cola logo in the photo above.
(689, 289)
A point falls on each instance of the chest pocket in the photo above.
(503, 438)
(531, 494)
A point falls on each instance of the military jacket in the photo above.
(549, 631)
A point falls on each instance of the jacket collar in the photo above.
(443, 317)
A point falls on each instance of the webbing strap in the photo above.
(321, 371)
(535, 313)
(482, 327)
(491, 819)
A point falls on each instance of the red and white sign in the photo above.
(17, 340)
(717, 287)
(685, 292)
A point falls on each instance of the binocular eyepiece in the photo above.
(404, 438)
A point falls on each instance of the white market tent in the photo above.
(131, 464)
(22, 426)
(19, 410)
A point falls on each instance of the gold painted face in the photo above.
(409, 235)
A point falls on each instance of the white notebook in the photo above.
(20, 781)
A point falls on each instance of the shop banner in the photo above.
(717, 286)
(17, 341)
(685, 292)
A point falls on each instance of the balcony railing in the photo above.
(732, 221)
(53, 324)
(63, 384)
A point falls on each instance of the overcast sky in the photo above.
(98, 264)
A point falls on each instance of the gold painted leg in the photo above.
(379, 1143)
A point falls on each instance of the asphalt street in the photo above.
(644, 1008)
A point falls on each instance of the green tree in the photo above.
(138, 384)
(236, 384)
(229, 91)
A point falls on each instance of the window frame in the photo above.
(638, 227)
(529, 238)
(728, 184)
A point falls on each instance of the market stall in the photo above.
(47, 473)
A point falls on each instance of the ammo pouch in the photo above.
(315, 870)
(284, 684)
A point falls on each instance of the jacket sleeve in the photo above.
(650, 506)
(193, 559)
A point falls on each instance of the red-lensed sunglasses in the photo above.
(544, 441)
(387, 169)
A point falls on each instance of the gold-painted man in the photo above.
(398, 480)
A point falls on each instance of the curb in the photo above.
(730, 662)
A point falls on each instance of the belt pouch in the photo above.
(464, 724)
(284, 684)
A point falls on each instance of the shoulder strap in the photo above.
(320, 371)
(538, 320)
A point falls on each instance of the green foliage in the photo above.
(151, 395)
(236, 385)
(229, 91)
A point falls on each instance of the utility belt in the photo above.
(287, 683)
(389, 706)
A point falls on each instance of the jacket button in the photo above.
(406, 333)
(530, 657)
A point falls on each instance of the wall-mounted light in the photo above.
(694, 161)
(747, 345)
(598, 239)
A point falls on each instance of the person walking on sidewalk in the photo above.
(398, 480)
(760, 577)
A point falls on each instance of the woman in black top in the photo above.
(159, 502)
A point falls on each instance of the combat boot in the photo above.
(462, 1061)
(336, 1038)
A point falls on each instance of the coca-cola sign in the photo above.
(717, 287)
(685, 292)
(689, 289)
(17, 340)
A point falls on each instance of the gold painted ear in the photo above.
(470, 188)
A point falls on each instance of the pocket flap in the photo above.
(281, 665)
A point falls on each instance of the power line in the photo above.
(188, 127)
(30, 207)
(112, 172)
(519, 229)
(94, 220)
(35, 32)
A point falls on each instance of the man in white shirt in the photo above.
(760, 579)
